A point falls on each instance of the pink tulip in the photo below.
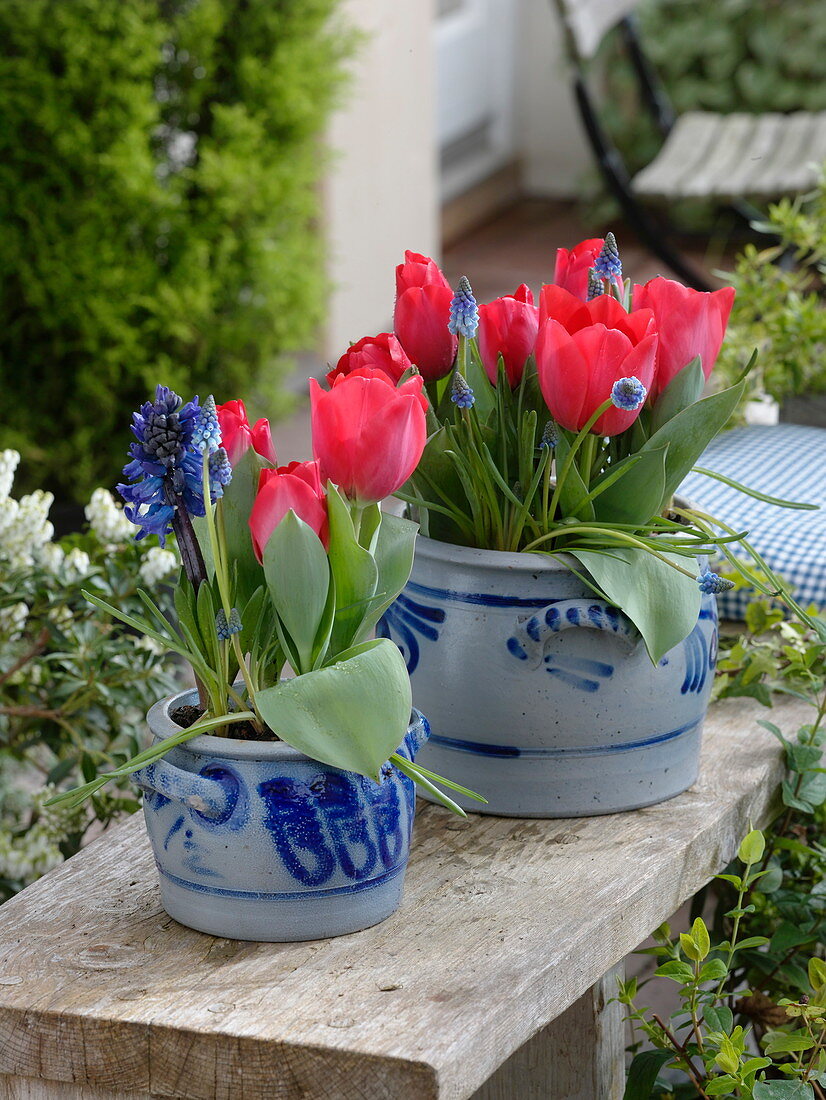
(584, 348)
(237, 435)
(382, 352)
(572, 267)
(420, 322)
(690, 322)
(418, 270)
(368, 435)
(508, 327)
(423, 297)
(296, 487)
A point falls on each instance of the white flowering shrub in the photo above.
(74, 686)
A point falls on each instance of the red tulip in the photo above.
(584, 348)
(420, 321)
(508, 326)
(690, 322)
(572, 267)
(418, 270)
(237, 435)
(368, 435)
(296, 487)
(423, 297)
(382, 352)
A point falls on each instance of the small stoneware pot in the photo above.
(255, 841)
(541, 697)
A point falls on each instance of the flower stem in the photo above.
(575, 446)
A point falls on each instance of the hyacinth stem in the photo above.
(192, 561)
(191, 556)
(223, 585)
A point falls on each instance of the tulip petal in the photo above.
(563, 374)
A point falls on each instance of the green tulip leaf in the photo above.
(352, 714)
(688, 433)
(636, 494)
(684, 389)
(354, 572)
(298, 578)
(573, 494)
(394, 558)
(661, 602)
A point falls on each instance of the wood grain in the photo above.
(505, 924)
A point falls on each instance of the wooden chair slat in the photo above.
(736, 156)
(744, 176)
(732, 138)
(687, 147)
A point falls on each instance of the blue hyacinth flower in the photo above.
(165, 468)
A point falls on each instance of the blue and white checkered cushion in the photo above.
(784, 460)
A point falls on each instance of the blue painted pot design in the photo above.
(540, 696)
(255, 841)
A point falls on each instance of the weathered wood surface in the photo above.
(504, 925)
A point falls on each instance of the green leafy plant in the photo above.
(565, 451)
(74, 689)
(280, 570)
(752, 982)
(159, 210)
(779, 306)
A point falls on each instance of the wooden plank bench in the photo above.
(493, 980)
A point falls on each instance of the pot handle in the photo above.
(206, 796)
(531, 634)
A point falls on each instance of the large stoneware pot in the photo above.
(255, 841)
(540, 696)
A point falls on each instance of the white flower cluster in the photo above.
(76, 564)
(13, 621)
(107, 519)
(24, 527)
(156, 565)
(8, 464)
(27, 857)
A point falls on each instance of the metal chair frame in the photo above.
(650, 231)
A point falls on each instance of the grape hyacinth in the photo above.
(628, 394)
(206, 434)
(712, 583)
(220, 473)
(550, 436)
(460, 392)
(464, 315)
(595, 287)
(607, 264)
(226, 628)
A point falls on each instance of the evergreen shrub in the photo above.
(159, 162)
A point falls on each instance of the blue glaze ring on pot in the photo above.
(253, 840)
(541, 696)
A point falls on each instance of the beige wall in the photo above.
(381, 195)
(552, 146)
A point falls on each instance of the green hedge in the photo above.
(159, 162)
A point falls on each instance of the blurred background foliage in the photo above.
(159, 162)
(780, 307)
